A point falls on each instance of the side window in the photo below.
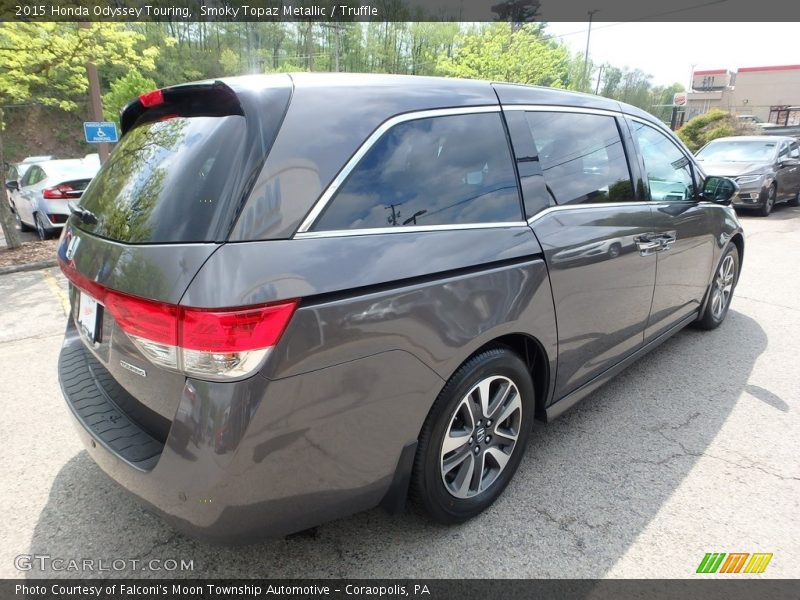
(784, 151)
(31, 176)
(440, 170)
(669, 170)
(794, 150)
(581, 156)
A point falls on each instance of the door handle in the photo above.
(650, 243)
(647, 244)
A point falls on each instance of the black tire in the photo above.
(769, 201)
(714, 315)
(41, 230)
(428, 488)
(20, 224)
(795, 201)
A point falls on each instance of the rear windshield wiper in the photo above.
(84, 215)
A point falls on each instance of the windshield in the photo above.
(167, 181)
(750, 151)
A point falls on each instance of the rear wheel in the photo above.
(41, 230)
(474, 437)
(769, 201)
(721, 292)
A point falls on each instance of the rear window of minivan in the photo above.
(168, 181)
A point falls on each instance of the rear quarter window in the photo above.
(447, 170)
(168, 181)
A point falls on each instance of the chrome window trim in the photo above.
(560, 108)
(552, 209)
(405, 229)
(340, 178)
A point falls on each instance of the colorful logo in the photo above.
(735, 562)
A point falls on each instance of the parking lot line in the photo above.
(51, 282)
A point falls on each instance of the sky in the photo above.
(668, 51)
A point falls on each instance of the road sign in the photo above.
(679, 99)
(100, 132)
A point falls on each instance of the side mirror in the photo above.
(12, 185)
(719, 189)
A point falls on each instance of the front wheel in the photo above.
(769, 201)
(725, 278)
(474, 437)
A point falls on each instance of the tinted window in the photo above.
(794, 151)
(669, 171)
(167, 181)
(784, 151)
(33, 176)
(581, 156)
(441, 170)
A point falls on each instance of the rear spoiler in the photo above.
(206, 99)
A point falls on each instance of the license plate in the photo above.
(87, 315)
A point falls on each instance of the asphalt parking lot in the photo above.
(693, 449)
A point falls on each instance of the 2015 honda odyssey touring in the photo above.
(298, 297)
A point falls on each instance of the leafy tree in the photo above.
(46, 62)
(122, 91)
(500, 52)
(709, 126)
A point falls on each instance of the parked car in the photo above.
(268, 333)
(766, 168)
(15, 172)
(40, 199)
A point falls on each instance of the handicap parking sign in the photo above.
(100, 132)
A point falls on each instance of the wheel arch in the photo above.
(532, 352)
(738, 241)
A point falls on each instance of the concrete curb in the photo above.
(34, 266)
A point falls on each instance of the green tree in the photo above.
(703, 128)
(46, 63)
(505, 53)
(122, 91)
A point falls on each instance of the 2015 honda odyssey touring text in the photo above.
(298, 297)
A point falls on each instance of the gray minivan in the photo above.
(295, 297)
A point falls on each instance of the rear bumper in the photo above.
(258, 458)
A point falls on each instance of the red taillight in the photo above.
(154, 321)
(217, 344)
(234, 330)
(154, 98)
(58, 192)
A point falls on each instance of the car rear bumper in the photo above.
(258, 458)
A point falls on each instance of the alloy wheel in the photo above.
(723, 287)
(481, 436)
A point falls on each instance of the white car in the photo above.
(40, 200)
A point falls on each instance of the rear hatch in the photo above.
(154, 213)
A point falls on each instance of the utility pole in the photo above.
(599, 77)
(586, 55)
(95, 102)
